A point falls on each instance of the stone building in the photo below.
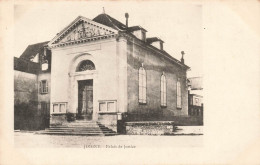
(105, 71)
(195, 96)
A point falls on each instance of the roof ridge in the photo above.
(111, 21)
(38, 43)
(107, 20)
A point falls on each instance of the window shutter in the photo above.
(163, 90)
(142, 85)
(179, 94)
(47, 86)
(40, 87)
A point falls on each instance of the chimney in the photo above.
(161, 45)
(182, 59)
(126, 16)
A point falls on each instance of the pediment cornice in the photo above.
(82, 30)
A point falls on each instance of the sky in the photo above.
(179, 25)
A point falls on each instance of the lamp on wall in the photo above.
(44, 60)
(45, 65)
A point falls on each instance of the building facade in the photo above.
(105, 71)
(195, 96)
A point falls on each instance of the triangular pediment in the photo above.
(81, 29)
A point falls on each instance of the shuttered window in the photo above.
(142, 85)
(43, 86)
(178, 94)
(163, 90)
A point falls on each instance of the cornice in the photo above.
(64, 44)
(74, 24)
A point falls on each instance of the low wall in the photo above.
(178, 120)
(188, 120)
(149, 127)
(109, 120)
(58, 119)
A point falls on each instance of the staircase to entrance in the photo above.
(80, 127)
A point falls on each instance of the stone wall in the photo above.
(27, 110)
(58, 119)
(149, 128)
(25, 87)
(109, 120)
(154, 64)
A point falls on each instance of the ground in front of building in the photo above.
(191, 137)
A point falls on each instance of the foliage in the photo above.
(70, 117)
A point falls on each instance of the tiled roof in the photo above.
(134, 28)
(32, 50)
(153, 39)
(109, 21)
(115, 24)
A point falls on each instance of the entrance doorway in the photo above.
(85, 99)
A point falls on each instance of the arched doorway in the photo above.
(83, 86)
(85, 91)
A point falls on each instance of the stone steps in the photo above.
(79, 134)
(97, 132)
(76, 126)
(77, 130)
(84, 128)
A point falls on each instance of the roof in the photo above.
(134, 28)
(153, 39)
(109, 21)
(195, 83)
(26, 66)
(32, 50)
(106, 20)
(196, 95)
(115, 24)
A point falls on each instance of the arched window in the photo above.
(85, 65)
(163, 90)
(178, 94)
(142, 85)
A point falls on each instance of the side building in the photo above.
(195, 99)
(31, 102)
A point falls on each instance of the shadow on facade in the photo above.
(31, 116)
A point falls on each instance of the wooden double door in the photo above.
(85, 99)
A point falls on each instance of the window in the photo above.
(59, 107)
(111, 106)
(86, 65)
(102, 107)
(43, 86)
(107, 106)
(178, 94)
(62, 108)
(142, 85)
(55, 107)
(163, 90)
(44, 106)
